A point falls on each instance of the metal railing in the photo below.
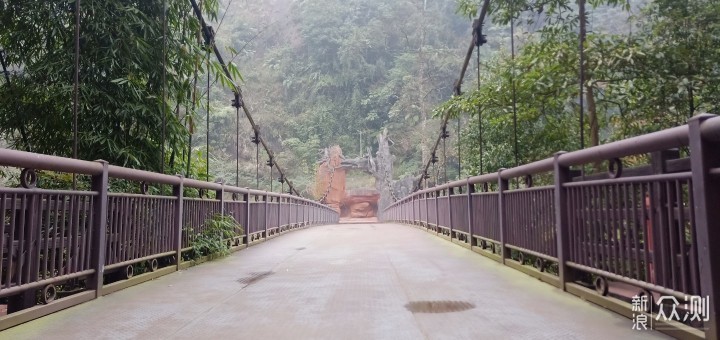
(86, 238)
(651, 230)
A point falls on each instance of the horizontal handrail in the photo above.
(544, 165)
(99, 236)
(656, 141)
(23, 159)
(653, 227)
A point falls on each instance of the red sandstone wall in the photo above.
(330, 188)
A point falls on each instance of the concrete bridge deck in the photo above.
(339, 282)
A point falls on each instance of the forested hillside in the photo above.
(317, 73)
(320, 73)
(656, 73)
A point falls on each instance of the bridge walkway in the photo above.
(350, 281)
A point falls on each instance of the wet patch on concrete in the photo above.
(438, 306)
(254, 277)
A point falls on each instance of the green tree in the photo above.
(136, 67)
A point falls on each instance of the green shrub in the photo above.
(212, 241)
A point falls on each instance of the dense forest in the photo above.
(329, 73)
(317, 73)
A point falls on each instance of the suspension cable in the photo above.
(270, 162)
(514, 95)
(581, 47)
(330, 181)
(76, 87)
(190, 120)
(477, 40)
(164, 89)
(444, 162)
(271, 177)
(458, 147)
(237, 146)
(256, 141)
(237, 91)
(445, 135)
(207, 120)
(480, 129)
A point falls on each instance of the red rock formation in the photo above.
(330, 189)
(330, 179)
(360, 203)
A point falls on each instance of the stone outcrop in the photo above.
(330, 186)
(330, 179)
(361, 203)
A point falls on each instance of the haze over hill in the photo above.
(327, 72)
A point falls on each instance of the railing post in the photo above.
(450, 192)
(99, 185)
(280, 206)
(246, 198)
(437, 213)
(220, 196)
(502, 186)
(470, 188)
(412, 202)
(265, 199)
(178, 214)
(660, 223)
(427, 209)
(562, 175)
(30, 222)
(706, 193)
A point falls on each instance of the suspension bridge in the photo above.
(509, 253)
(610, 238)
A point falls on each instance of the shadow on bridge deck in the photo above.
(339, 282)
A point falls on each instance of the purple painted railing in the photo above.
(652, 230)
(58, 242)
